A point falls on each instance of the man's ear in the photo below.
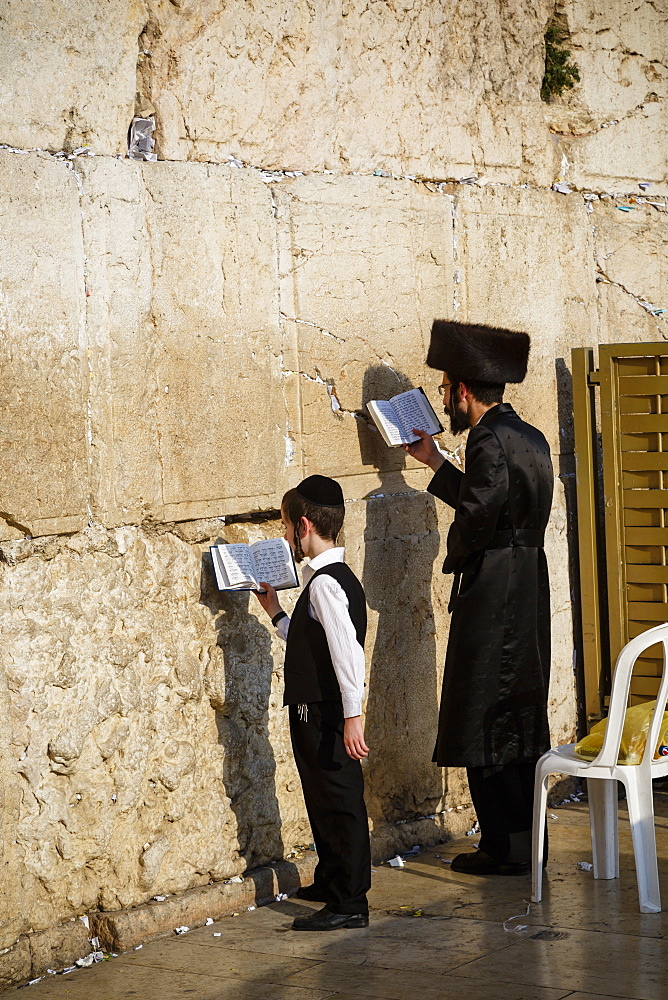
(304, 526)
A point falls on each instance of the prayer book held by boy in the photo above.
(240, 566)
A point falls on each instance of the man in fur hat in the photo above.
(493, 714)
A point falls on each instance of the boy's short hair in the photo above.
(327, 521)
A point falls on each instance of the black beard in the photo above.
(459, 421)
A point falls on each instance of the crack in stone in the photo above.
(320, 329)
(655, 311)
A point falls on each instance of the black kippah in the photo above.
(321, 490)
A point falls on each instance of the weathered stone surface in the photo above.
(43, 454)
(15, 965)
(69, 73)
(399, 86)
(184, 330)
(58, 947)
(632, 264)
(513, 275)
(614, 123)
(365, 266)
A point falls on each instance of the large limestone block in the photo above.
(527, 263)
(421, 87)
(614, 122)
(366, 265)
(189, 408)
(69, 73)
(632, 271)
(42, 374)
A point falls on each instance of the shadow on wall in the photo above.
(566, 473)
(243, 665)
(401, 543)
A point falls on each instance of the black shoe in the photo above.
(480, 863)
(324, 920)
(312, 893)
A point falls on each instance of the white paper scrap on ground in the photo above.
(396, 862)
(517, 916)
(209, 921)
(217, 934)
(585, 866)
(139, 947)
(281, 896)
(181, 930)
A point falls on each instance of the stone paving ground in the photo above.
(434, 934)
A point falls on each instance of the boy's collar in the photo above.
(332, 555)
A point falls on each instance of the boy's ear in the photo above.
(304, 525)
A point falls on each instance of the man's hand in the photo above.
(425, 450)
(269, 601)
(353, 738)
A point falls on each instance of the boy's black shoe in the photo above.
(325, 920)
(312, 893)
(480, 863)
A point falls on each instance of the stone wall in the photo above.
(182, 341)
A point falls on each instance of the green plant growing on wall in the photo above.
(560, 74)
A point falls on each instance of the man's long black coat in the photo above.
(497, 665)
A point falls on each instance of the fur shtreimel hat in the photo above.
(467, 351)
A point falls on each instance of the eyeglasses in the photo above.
(442, 388)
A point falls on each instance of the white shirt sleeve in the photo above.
(282, 627)
(328, 604)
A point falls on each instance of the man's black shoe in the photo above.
(312, 893)
(480, 863)
(325, 920)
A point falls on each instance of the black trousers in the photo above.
(333, 786)
(502, 797)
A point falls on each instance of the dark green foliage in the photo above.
(560, 74)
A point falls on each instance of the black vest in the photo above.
(309, 674)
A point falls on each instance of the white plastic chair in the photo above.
(602, 773)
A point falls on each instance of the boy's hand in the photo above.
(425, 450)
(269, 601)
(353, 738)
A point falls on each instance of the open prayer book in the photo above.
(240, 566)
(396, 417)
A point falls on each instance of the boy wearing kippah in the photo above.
(324, 689)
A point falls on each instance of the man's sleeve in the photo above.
(446, 483)
(330, 607)
(482, 495)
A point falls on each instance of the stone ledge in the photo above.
(122, 930)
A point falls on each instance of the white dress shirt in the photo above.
(328, 604)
